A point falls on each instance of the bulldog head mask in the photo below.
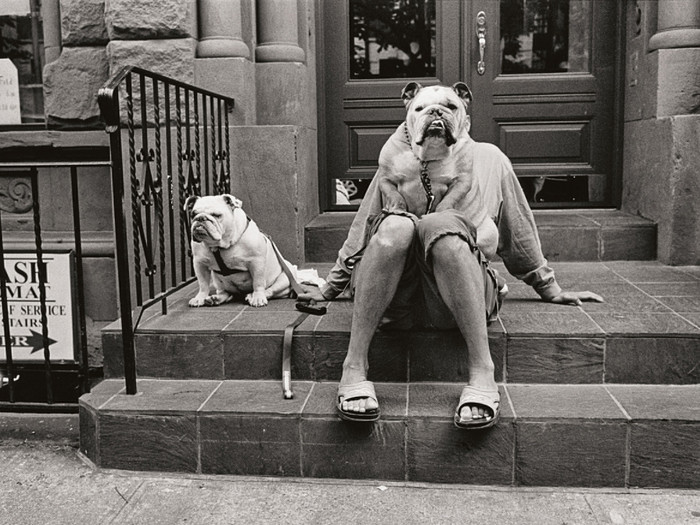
(436, 116)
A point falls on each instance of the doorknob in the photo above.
(481, 34)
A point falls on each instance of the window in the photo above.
(392, 39)
(21, 46)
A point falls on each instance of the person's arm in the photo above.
(520, 249)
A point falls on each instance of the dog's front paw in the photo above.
(256, 299)
(216, 299)
(198, 300)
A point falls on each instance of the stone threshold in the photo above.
(548, 435)
(566, 235)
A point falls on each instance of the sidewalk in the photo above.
(44, 481)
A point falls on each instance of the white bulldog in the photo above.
(432, 157)
(245, 263)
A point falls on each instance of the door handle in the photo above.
(481, 34)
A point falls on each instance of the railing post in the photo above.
(115, 147)
(151, 189)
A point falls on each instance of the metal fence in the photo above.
(168, 140)
(40, 370)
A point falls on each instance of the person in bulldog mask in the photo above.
(417, 255)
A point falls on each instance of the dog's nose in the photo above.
(436, 111)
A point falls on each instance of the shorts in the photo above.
(417, 301)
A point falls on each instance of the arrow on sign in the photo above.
(36, 341)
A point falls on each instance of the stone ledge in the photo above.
(647, 331)
(56, 140)
(93, 244)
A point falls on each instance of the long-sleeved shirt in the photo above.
(504, 202)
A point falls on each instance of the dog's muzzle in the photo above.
(437, 126)
(204, 227)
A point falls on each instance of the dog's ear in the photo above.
(463, 92)
(189, 203)
(232, 201)
(409, 91)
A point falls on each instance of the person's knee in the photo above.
(395, 233)
(449, 248)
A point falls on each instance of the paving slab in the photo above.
(48, 483)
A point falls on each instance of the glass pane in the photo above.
(564, 189)
(545, 36)
(22, 41)
(350, 191)
(392, 38)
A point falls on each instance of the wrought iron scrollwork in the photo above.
(16, 195)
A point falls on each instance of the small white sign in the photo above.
(25, 312)
(14, 7)
(9, 93)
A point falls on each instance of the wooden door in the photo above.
(545, 92)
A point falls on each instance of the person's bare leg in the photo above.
(461, 284)
(379, 274)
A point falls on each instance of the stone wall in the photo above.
(71, 82)
(661, 179)
(100, 37)
(260, 52)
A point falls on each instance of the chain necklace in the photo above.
(424, 175)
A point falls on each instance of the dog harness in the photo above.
(223, 269)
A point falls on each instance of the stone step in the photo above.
(566, 235)
(647, 332)
(548, 435)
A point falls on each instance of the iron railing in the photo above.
(168, 140)
(30, 311)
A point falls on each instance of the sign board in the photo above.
(9, 93)
(24, 305)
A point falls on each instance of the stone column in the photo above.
(677, 46)
(51, 16)
(220, 32)
(278, 35)
(678, 25)
(222, 64)
(662, 126)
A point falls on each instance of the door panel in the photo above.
(546, 95)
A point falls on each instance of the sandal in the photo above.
(490, 399)
(362, 389)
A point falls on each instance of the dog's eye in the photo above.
(451, 107)
(419, 108)
(216, 215)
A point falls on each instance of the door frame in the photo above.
(468, 34)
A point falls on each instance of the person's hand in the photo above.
(310, 293)
(576, 298)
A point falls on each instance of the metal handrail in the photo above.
(157, 194)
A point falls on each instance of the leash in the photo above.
(424, 174)
(306, 309)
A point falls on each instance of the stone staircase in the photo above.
(603, 395)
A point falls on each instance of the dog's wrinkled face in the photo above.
(212, 217)
(436, 113)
